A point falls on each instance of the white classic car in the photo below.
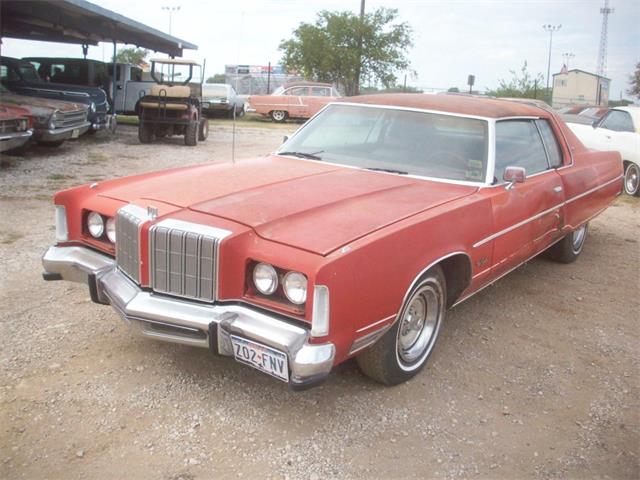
(618, 129)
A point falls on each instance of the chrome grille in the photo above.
(184, 259)
(70, 119)
(12, 126)
(128, 222)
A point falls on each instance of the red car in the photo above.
(294, 100)
(15, 128)
(352, 240)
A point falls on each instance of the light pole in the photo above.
(170, 10)
(550, 29)
(567, 56)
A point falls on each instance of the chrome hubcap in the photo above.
(578, 238)
(418, 324)
(632, 178)
(278, 115)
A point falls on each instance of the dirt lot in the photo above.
(535, 377)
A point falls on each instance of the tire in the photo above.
(569, 248)
(632, 179)
(145, 132)
(240, 112)
(230, 113)
(279, 116)
(203, 130)
(55, 144)
(405, 348)
(191, 134)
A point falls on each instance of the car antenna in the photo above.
(233, 130)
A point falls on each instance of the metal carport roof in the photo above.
(78, 21)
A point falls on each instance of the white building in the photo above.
(575, 87)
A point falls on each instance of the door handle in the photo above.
(557, 189)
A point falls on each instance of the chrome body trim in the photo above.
(545, 212)
(367, 340)
(170, 319)
(371, 325)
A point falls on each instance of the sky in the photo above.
(452, 38)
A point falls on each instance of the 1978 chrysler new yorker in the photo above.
(353, 239)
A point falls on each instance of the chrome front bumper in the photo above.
(62, 133)
(175, 320)
(9, 141)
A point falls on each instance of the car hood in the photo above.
(308, 205)
(39, 106)
(62, 91)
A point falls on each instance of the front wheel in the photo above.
(191, 134)
(632, 179)
(203, 130)
(145, 132)
(279, 116)
(568, 249)
(403, 351)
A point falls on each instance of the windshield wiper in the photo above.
(310, 156)
(387, 170)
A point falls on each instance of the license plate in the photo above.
(75, 133)
(265, 359)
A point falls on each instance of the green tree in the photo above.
(217, 78)
(329, 50)
(134, 56)
(521, 85)
(634, 80)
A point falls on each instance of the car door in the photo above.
(619, 133)
(527, 216)
(297, 101)
(319, 97)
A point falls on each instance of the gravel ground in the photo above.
(535, 377)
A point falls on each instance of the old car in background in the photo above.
(294, 100)
(54, 121)
(21, 77)
(15, 128)
(584, 114)
(221, 98)
(352, 240)
(131, 82)
(174, 105)
(619, 130)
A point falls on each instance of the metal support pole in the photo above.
(114, 82)
(269, 79)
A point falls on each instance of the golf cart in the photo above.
(174, 105)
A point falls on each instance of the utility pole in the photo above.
(602, 52)
(358, 67)
(550, 29)
(567, 56)
(170, 10)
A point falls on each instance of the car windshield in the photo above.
(215, 90)
(398, 141)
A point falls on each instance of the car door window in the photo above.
(519, 144)
(320, 92)
(551, 143)
(618, 121)
(297, 92)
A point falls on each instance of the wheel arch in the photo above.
(456, 267)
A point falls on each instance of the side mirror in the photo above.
(513, 175)
(285, 138)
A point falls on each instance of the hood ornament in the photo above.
(152, 212)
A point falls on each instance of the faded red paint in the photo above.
(366, 235)
(298, 100)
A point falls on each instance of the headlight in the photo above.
(265, 278)
(111, 230)
(295, 287)
(92, 107)
(95, 224)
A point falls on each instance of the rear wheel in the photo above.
(569, 248)
(279, 116)
(145, 132)
(403, 351)
(203, 130)
(191, 134)
(632, 179)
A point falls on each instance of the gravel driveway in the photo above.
(534, 377)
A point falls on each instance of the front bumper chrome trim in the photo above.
(176, 320)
